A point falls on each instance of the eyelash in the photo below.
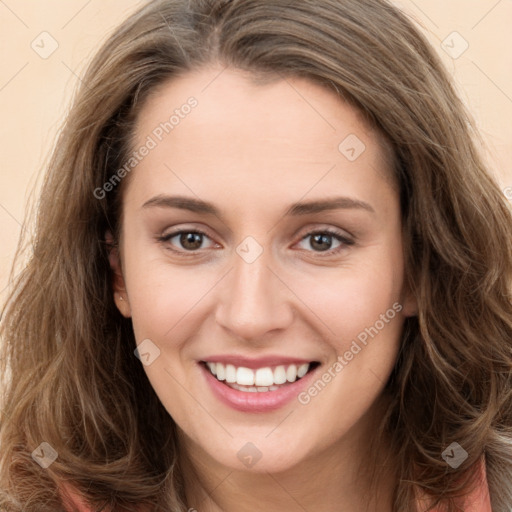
(330, 232)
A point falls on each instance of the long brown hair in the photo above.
(71, 378)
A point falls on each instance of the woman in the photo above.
(338, 334)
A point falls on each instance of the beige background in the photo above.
(35, 91)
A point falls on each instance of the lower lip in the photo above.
(259, 401)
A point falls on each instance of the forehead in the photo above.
(217, 124)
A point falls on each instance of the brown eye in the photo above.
(322, 241)
(187, 241)
(191, 241)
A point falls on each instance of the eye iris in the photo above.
(194, 238)
(323, 240)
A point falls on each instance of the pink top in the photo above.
(478, 501)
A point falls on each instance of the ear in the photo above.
(118, 285)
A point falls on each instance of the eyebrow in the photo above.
(296, 209)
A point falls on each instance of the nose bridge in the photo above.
(253, 301)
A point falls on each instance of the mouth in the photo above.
(265, 379)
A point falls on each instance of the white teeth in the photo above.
(220, 371)
(230, 373)
(291, 373)
(302, 370)
(262, 379)
(280, 375)
(244, 376)
(252, 389)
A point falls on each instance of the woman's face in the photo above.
(298, 262)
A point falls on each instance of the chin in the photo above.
(258, 454)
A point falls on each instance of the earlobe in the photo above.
(118, 284)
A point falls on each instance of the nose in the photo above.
(254, 300)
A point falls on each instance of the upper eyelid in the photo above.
(307, 231)
(172, 234)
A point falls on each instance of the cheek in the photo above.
(164, 301)
(353, 298)
(361, 314)
(160, 293)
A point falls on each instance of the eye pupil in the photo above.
(187, 238)
(323, 240)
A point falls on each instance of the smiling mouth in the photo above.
(268, 378)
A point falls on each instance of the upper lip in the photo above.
(257, 362)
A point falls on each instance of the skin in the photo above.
(253, 150)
